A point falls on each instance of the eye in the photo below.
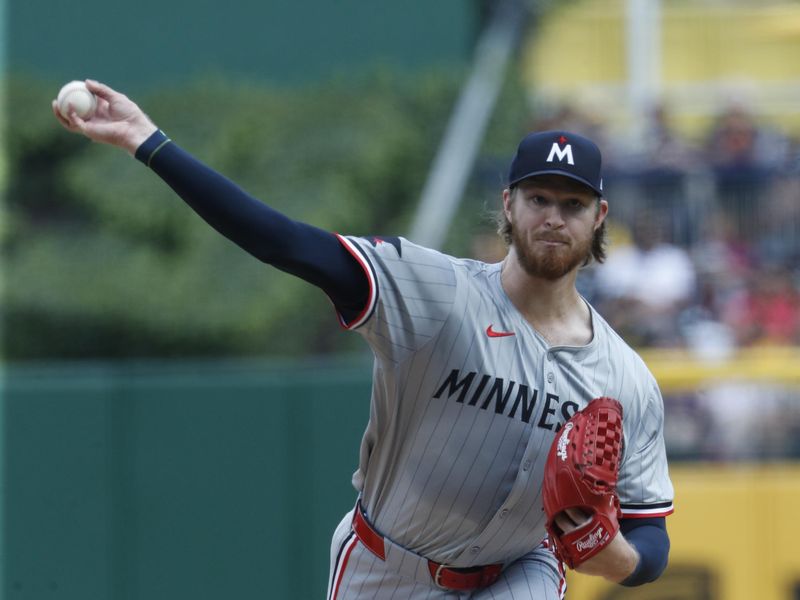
(575, 204)
(537, 200)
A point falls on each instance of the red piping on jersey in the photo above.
(562, 576)
(370, 280)
(562, 581)
(343, 566)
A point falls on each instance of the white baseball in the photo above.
(75, 94)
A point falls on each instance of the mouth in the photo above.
(551, 242)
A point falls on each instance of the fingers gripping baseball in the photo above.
(117, 120)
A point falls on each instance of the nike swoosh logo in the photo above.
(492, 333)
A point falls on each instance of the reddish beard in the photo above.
(550, 262)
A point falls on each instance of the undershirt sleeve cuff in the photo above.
(652, 543)
(150, 147)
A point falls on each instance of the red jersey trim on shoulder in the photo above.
(645, 511)
(372, 280)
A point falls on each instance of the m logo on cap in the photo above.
(568, 154)
(557, 152)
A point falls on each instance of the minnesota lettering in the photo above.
(515, 400)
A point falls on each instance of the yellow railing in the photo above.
(678, 370)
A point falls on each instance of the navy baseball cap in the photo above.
(557, 153)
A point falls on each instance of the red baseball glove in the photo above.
(581, 472)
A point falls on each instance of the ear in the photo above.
(508, 198)
(602, 211)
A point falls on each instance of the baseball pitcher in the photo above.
(512, 433)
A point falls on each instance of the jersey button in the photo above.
(549, 356)
(504, 513)
(475, 549)
(550, 377)
(526, 465)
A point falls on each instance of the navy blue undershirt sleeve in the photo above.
(649, 537)
(305, 251)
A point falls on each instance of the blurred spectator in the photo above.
(721, 252)
(687, 426)
(733, 140)
(661, 173)
(743, 156)
(738, 141)
(722, 262)
(767, 310)
(644, 286)
(778, 225)
(742, 414)
(664, 149)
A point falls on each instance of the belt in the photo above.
(450, 578)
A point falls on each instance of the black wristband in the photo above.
(151, 146)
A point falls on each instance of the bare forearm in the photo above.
(616, 562)
(638, 554)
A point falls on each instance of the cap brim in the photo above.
(572, 176)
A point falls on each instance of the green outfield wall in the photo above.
(136, 45)
(200, 481)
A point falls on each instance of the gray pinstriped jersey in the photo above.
(452, 459)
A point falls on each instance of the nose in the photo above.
(553, 218)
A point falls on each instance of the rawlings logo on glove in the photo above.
(563, 441)
(581, 473)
